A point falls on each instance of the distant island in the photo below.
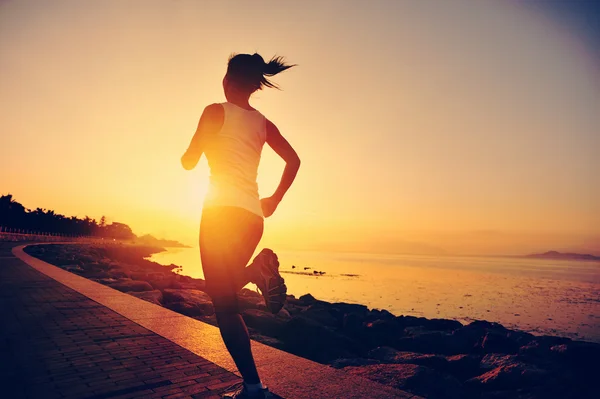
(563, 256)
(157, 242)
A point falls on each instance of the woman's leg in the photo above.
(228, 238)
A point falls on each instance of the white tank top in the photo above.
(233, 156)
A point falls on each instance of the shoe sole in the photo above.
(275, 297)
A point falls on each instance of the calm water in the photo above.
(540, 296)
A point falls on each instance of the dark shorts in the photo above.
(228, 238)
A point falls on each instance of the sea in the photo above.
(544, 297)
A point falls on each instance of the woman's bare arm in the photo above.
(292, 163)
(210, 123)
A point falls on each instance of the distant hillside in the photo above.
(153, 241)
(564, 256)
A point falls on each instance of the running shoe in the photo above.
(268, 280)
(238, 391)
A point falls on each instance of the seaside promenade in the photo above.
(62, 336)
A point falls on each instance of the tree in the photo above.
(15, 215)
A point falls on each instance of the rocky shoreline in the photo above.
(434, 358)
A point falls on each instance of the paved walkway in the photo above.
(57, 343)
(64, 336)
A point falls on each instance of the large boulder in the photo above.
(325, 315)
(420, 380)
(307, 299)
(497, 342)
(436, 342)
(251, 302)
(578, 354)
(390, 355)
(379, 314)
(155, 296)
(495, 360)
(381, 332)
(188, 302)
(118, 273)
(162, 281)
(344, 308)
(463, 366)
(131, 285)
(266, 323)
(475, 332)
(310, 339)
(511, 376)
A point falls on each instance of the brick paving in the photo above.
(57, 343)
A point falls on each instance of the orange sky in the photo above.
(461, 126)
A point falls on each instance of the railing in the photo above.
(15, 234)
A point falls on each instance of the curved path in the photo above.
(69, 337)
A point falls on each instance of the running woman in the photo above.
(232, 135)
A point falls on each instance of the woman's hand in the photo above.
(269, 205)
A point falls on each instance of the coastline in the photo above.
(435, 358)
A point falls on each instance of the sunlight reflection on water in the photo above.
(540, 296)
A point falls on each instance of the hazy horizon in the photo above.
(464, 127)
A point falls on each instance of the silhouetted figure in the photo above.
(232, 135)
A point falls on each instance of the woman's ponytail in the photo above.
(252, 70)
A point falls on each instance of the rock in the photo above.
(532, 349)
(188, 302)
(307, 338)
(473, 335)
(143, 276)
(346, 308)
(341, 363)
(284, 314)
(247, 302)
(391, 355)
(195, 283)
(264, 322)
(381, 333)
(307, 299)
(131, 285)
(162, 281)
(429, 324)
(324, 315)
(549, 341)
(155, 296)
(511, 376)
(292, 301)
(72, 268)
(352, 323)
(246, 293)
(436, 342)
(379, 314)
(273, 342)
(496, 342)
(495, 360)
(579, 354)
(420, 380)
(463, 366)
(118, 273)
(520, 338)
(190, 309)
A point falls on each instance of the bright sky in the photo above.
(461, 125)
